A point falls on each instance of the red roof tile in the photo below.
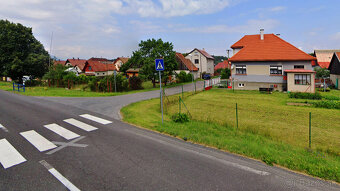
(186, 62)
(98, 66)
(300, 71)
(62, 62)
(77, 62)
(324, 64)
(224, 64)
(272, 48)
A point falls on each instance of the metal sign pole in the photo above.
(160, 87)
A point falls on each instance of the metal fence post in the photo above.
(236, 117)
(310, 129)
(195, 86)
(179, 104)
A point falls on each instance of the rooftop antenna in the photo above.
(49, 61)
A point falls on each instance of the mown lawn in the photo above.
(269, 129)
(77, 91)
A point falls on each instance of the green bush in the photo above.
(121, 83)
(303, 95)
(31, 83)
(184, 77)
(135, 83)
(225, 73)
(327, 104)
(180, 117)
(330, 97)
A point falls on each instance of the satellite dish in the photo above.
(232, 66)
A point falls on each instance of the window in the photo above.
(90, 68)
(299, 66)
(240, 85)
(103, 73)
(302, 79)
(197, 61)
(241, 69)
(276, 70)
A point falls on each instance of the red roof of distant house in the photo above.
(324, 64)
(123, 59)
(62, 62)
(224, 64)
(272, 48)
(186, 62)
(98, 66)
(204, 53)
(300, 71)
(77, 62)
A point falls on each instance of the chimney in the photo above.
(262, 34)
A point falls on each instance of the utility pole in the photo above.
(49, 60)
(228, 53)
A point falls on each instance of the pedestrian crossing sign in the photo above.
(159, 64)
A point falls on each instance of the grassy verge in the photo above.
(75, 92)
(269, 130)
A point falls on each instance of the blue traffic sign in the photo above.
(159, 64)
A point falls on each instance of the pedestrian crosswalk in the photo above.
(9, 156)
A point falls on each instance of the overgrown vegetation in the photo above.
(184, 77)
(329, 104)
(269, 130)
(303, 95)
(180, 117)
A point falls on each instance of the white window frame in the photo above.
(275, 70)
(243, 67)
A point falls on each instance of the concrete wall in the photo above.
(333, 78)
(257, 85)
(292, 87)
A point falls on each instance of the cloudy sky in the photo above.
(112, 28)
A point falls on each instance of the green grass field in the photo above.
(269, 129)
(75, 92)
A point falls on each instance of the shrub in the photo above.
(31, 83)
(135, 83)
(330, 97)
(225, 73)
(184, 77)
(180, 117)
(121, 83)
(327, 104)
(302, 95)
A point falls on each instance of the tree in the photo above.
(20, 53)
(225, 73)
(144, 58)
(322, 73)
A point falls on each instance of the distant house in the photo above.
(119, 62)
(202, 60)
(267, 61)
(324, 57)
(102, 60)
(223, 65)
(62, 62)
(97, 68)
(78, 64)
(186, 65)
(132, 72)
(334, 68)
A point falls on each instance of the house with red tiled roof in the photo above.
(98, 68)
(334, 69)
(223, 65)
(268, 61)
(120, 61)
(186, 65)
(202, 60)
(324, 57)
(62, 62)
(78, 64)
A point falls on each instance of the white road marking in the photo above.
(80, 124)
(40, 142)
(67, 134)
(96, 119)
(3, 128)
(59, 176)
(9, 156)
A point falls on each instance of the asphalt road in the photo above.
(111, 106)
(119, 156)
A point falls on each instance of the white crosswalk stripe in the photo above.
(96, 119)
(9, 156)
(40, 142)
(67, 134)
(80, 124)
(3, 128)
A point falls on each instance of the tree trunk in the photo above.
(154, 82)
